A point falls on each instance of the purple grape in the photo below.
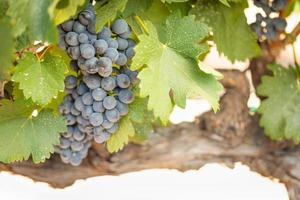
(106, 123)
(78, 104)
(108, 83)
(78, 27)
(113, 129)
(104, 33)
(112, 43)
(67, 25)
(112, 54)
(87, 111)
(100, 46)
(122, 43)
(70, 82)
(70, 119)
(109, 102)
(130, 52)
(119, 26)
(122, 108)
(98, 130)
(82, 88)
(112, 115)
(126, 96)
(71, 39)
(64, 143)
(123, 81)
(105, 66)
(122, 59)
(87, 51)
(96, 119)
(98, 94)
(92, 81)
(76, 146)
(83, 38)
(131, 43)
(74, 52)
(74, 111)
(65, 107)
(91, 65)
(78, 135)
(102, 137)
(98, 106)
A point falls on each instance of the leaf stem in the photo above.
(141, 23)
(42, 54)
(295, 61)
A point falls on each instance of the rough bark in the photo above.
(229, 136)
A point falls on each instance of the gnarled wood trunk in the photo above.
(229, 136)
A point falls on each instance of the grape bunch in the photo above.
(98, 98)
(267, 27)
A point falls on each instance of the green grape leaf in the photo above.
(157, 13)
(62, 10)
(33, 15)
(119, 139)
(17, 93)
(293, 6)
(22, 133)
(6, 49)
(22, 41)
(141, 119)
(40, 80)
(172, 66)
(142, 132)
(280, 112)
(182, 7)
(3, 8)
(134, 6)
(231, 33)
(108, 11)
(226, 2)
(173, 1)
(136, 126)
(55, 102)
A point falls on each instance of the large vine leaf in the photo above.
(6, 48)
(23, 134)
(227, 2)
(3, 8)
(134, 6)
(33, 15)
(62, 10)
(108, 11)
(157, 13)
(174, 1)
(41, 80)
(280, 112)
(231, 32)
(135, 127)
(141, 119)
(172, 66)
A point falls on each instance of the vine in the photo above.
(171, 37)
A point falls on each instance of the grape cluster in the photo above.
(99, 97)
(267, 27)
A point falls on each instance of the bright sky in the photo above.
(212, 182)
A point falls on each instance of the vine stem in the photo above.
(2, 84)
(293, 35)
(295, 61)
(141, 23)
